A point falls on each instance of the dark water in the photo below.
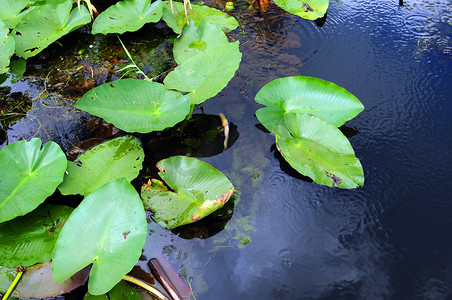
(288, 238)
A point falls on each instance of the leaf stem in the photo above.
(13, 285)
(154, 292)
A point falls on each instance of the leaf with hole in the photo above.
(194, 190)
(12, 11)
(107, 229)
(6, 48)
(28, 176)
(136, 105)
(116, 158)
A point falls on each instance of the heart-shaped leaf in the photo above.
(28, 175)
(127, 15)
(303, 94)
(177, 20)
(205, 74)
(120, 157)
(6, 47)
(108, 228)
(196, 39)
(136, 105)
(11, 11)
(199, 189)
(317, 149)
(30, 239)
(307, 9)
(45, 24)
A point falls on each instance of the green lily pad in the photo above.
(196, 39)
(199, 189)
(120, 291)
(28, 176)
(127, 15)
(30, 239)
(136, 105)
(177, 20)
(317, 149)
(6, 48)
(108, 228)
(307, 9)
(205, 74)
(120, 157)
(11, 11)
(303, 94)
(37, 281)
(45, 24)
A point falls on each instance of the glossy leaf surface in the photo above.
(6, 47)
(178, 20)
(127, 15)
(303, 94)
(28, 175)
(136, 105)
(199, 189)
(205, 74)
(108, 228)
(116, 158)
(30, 239)
(196, 39)
(317, 149)
(307, 9)
(45, 24)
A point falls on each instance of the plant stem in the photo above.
(147, 287)
(13, 285)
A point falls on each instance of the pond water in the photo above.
(283, 236)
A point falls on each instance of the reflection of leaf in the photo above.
(30, 239)
(45, 24)
(317, 149)
(120, 157)
(136, 105)
(28, 175)
(127, 15)
(6, 47)
(199, 189)
(107, 228)
(307, 9)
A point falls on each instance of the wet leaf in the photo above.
(317, 149)
(127, 15)
(123, 291)
(205, 74)
(28, 175)
(30, 239)
(6, 48)
(45, 24)
(136, 105)
(199, 189)
(196, 39)
(37, 281)
(116, 158)
(303, 94)
(108, 228)
(11, 11)
(178, 20)
(307, 9)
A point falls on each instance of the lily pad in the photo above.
(303, 94)
(108, 228)
(28, 176)
(6, 48)
(30, 239)
(127, 15)
(317, 149)
(120, 157)
(196, 39)
(136, 105)
(37, 281)
(11, 11)
(197, 189)
(45, 24)
(177, 20)
(307, 9)
(205, 74)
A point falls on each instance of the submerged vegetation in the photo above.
(303, 113)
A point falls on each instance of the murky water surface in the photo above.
(282, 236)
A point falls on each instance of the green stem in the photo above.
(152, 290)
(187, 119)
(12, 286)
